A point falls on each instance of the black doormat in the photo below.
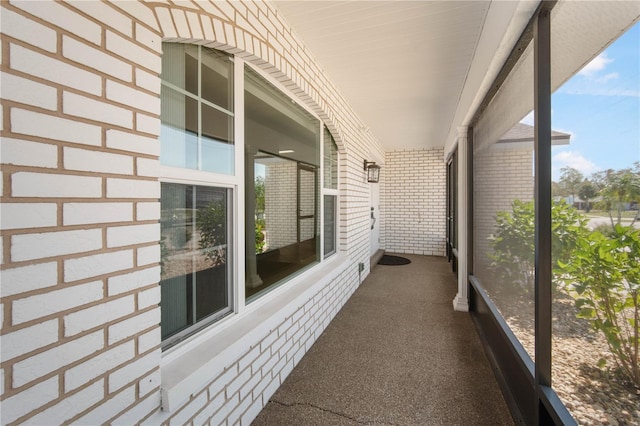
(393, 260)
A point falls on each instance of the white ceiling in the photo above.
(404, 66)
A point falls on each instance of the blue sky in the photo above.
(600, 108)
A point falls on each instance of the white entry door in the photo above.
(374, 217)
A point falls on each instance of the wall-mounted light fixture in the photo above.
(373, 171)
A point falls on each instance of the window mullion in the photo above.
(239, 202)
(199, 108)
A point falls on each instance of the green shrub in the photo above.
(513, 242)
(260, 242)
(211, 223)
(603, 276)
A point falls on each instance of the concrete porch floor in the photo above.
(396, 354)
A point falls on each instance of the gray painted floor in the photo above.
(396, 354)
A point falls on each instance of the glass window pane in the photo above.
(179, 130)
(503, 206)
(217, 78)
(596, 250)
(282, 150)
(217, 141)
(180, 66)
(274, 123)
(330, 161)
(194, 259)
(330, 224)
(194, 134)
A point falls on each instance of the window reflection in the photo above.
(194, 259)
(196, 109)
(282, 190)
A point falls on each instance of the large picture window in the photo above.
(282, 196)
(290, 185)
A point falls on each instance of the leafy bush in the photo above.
(513, 242)
(260, 242)
(604, 278)
(211, 224)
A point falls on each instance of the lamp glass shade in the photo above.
(373, 173)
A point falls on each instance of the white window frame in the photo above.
(332, 192)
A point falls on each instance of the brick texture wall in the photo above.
(414, 200)
(280, 204)
(79, 250)
(503, 173)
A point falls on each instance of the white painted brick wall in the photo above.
(130, 188)
(148, 255)
(70, 406)
(134, 280)
(57, 128)
(133, 325)
(30, 399)
(98, 365)
(120, 93)
(28, 215)
(149, 340)
(98, 315)
(148, 211)
(130, 372)
(43, 185)
(64, 18)
(27, 30)
(48, 361)
(28, 278)
(119, 236)
(503, 173)
(24, 153)
(148, 167)
(95, 58)
(38, 246)
(133, 143)
(96, 110)
(109, 408)
(28, 339)
(147, 124)
(91, 213)
(32, 307)
(96, 265)
(97, 161)
(54, 70)
(28, 92)
(106, 14)
(102, 61)
(127, 49)
(414, 195)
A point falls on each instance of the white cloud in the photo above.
(575, 160)
(607, 77)
(597, 64)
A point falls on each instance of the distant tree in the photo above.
(556, 189)
(620, 187)
(587, 191)
(570, 180)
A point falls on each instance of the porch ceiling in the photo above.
(404, 65)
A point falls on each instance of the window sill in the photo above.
(192, 365)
